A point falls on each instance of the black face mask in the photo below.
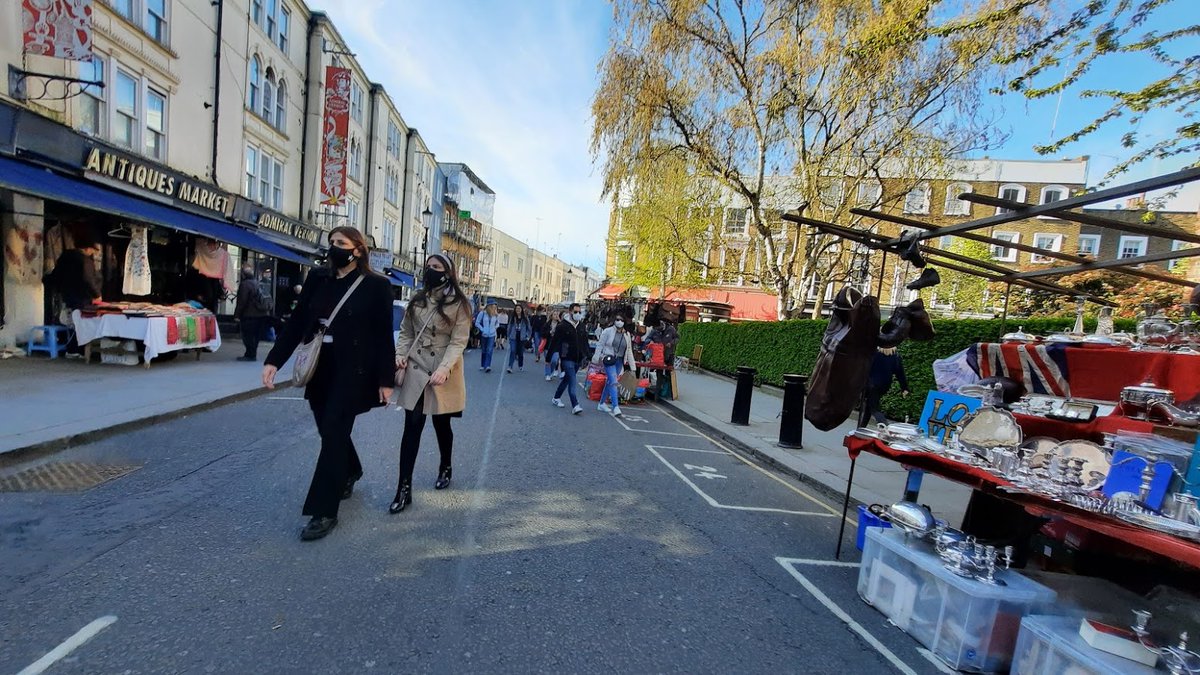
(433, 278)
(340, 257)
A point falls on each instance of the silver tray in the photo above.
(1161, 524)
(989, 427)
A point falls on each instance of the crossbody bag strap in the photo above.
(349, 291)
(416, 337)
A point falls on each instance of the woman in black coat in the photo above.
(355, 371)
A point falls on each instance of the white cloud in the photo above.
(506, 88)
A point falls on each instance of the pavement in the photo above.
(50, 404)
(823, 461)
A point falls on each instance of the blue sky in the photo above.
(506, 86)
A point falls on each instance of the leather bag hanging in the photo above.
(304, 359)
(402, 372)
(844, 362)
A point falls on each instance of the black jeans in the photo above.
(874, 398)
(410, 442)
(252, 331)
(338, 461)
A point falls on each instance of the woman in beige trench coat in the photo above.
(433, 334)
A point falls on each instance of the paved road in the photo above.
(565, 544)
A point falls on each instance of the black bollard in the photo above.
(791, 423)
(741, 397)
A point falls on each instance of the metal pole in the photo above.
(882, 273)
(741, 397)
(791, 423)
(845, 509)
(1004, 315)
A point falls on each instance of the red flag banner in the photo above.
(333, 136)
(57, 28)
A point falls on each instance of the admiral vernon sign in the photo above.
(269, 221)
(129, 172)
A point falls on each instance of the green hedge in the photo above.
(776, 348)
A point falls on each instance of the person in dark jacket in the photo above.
(251, 312)
(519, 331)
(570, 343)
(885, 367)
(537, 325)
(355, 371)
(76, 279)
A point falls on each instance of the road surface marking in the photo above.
(69, 645)
(849, 519)
(936, 661)
(814, 561)
(706, 452)
(718, 505)
(841, 614)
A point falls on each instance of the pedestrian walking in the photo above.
(502, 332)
(570, 343)
(552, 360)
(614, 350)
(251, 312)
(433, 335)
(885, 367)
(519, 331)
(537, 325)
(355, 369)
(488, 324)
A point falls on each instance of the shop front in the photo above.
(160, 252)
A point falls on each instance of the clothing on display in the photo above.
(844, 362)
(137, 263)
(212, 259)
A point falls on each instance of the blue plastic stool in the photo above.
(54, 340)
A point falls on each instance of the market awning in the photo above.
(610, 292)
(399, 278)
(22, 177)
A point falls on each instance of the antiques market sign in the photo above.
(140, 176)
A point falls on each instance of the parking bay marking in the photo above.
(713, 502)
(69, 645)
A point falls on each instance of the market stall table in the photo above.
(1174, 548)
(158, 334)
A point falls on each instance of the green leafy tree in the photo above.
(832, 95)
(1096, 37)
(965, 294)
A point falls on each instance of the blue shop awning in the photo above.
(32, 180)
(399, 278)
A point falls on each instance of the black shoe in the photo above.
(403, 498)
(922, 326)
(349, 491)
(443, 479)
(912, 253)
(929, 277)
(317, 527)
(247, 358)
(896, 329)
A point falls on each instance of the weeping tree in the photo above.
(1101, 35)
(814, 104)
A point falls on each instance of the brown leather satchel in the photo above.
(844, 363)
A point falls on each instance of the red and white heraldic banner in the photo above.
(333, 136)
(58, 28)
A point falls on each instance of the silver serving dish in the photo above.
(1136, 399)
(901, 430)
(988, 428)
(911, 517)
(1066, 338)
(1019, 336)
(1161, 524)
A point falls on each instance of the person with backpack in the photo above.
(251, 312)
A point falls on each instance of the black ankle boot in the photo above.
(929, 277)
(911, 252)
(443, 479)
(403, 497)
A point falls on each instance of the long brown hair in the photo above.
(421, 299)
(360, 245)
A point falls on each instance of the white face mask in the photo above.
(578, 316)
(619, 324)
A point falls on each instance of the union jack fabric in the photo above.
(1041, 368)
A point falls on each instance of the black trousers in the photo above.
(338, 461)
(410, 442)
(252, 331)
(874, 399)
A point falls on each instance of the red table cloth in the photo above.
(1179, 550)
(1034, 425)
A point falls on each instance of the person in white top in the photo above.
(615, 352)
(502, 332)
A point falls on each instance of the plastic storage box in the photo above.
(970, 625)
(1050, 645)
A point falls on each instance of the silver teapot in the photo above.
(1155, 329)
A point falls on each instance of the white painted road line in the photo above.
(818, 563)
(841, 614)
(69, 645)
(718, 505)
(706, 452)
